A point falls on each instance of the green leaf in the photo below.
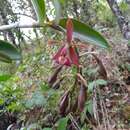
(47, 129)
(62, 2)
(57, 10)
(89, 106)
(91, 86)
(91, 71)
(128, 42)
(86, 33)
(1, 101)
(127, 65)
(4, 77)
(101, 82)
(39, 6)
(95, 83)
(62, 123)
(8, 52)
(38, 98)
(5, 58)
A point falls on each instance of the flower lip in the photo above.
(66, 56)
(61, 57)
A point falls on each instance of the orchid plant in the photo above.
(67, 55)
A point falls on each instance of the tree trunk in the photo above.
(122, 21)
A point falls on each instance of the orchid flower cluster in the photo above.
(67, 55)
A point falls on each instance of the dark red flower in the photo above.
(66, 56)
(82, 97)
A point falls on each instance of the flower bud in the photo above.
(52, 79)
(56, 85)
(64, 103)
(82, 97)
(75, 106)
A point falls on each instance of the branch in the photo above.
(86, 53)
(20, 25)
(30, 25)
(122, 21)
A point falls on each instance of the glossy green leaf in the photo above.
(8, 52)
(57, 10)
(39, 6)
(62, 123)
(86, 33)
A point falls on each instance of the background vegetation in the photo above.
(35, 94)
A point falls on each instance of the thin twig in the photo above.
(25, 15)
(82, 79)
(74, 122)
(95, 107)
(107, 117)
(102, 110)
(86, 53)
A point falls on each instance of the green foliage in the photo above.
(104, 14)
(11, 96)
(39, 6)
(123, 6)
(62, 1)
(62, 123)
(8, 52)
(37, 99)
(52, 96)
(4, 77)
(47, 129)
(86, 33)
(89, 106)
(96, 83)
(91, 71)
(127, 65)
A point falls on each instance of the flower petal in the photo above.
(67, 62)
(73, 56)
(61, 57)
(58, 54)
(69, 28)
(64, 61)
